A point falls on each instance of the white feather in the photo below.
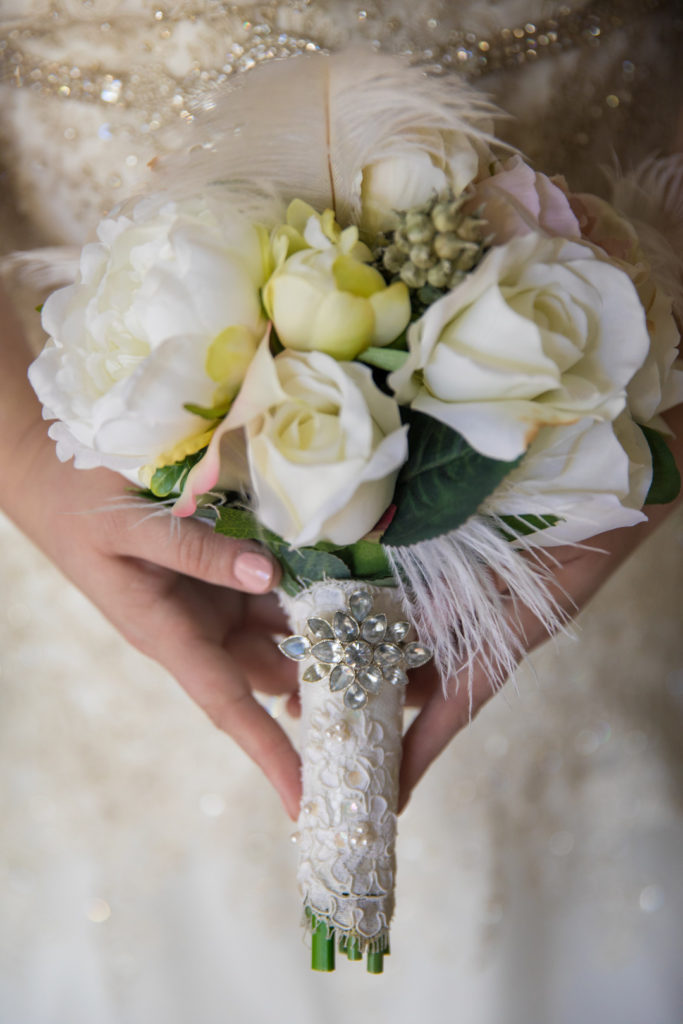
(302, 128)
(450, 595)
(307, 127)
(651, 197)
(42, 270)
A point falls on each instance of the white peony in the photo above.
(324, 446)
(593, 476)
(165, 311)
(543, 332)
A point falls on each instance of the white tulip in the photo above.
(325, 297)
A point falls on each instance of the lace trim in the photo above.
(347, 826)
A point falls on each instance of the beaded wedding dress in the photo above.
(147, 875)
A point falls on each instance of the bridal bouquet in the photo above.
(400, 362)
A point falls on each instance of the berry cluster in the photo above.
(434, 246)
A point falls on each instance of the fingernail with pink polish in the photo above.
(254, 571)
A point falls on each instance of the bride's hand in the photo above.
(578, 574)
(194, 601)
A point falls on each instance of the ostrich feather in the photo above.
(451, 597)
(42, 270)
(307, 127)
(651, 197)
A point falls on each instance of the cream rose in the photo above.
(593, 476)
(658, 384)
(435, 163)
(165, 311)
(324, 446)
(542, 332)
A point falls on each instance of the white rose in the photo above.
(658, 384)
(324, 446)
(542, 332)
(166, 311)
(594, 476)
(435, 163)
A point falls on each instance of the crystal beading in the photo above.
(273, 31)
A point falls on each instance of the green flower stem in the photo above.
(322, 948)
(375, 962)
(353, 950)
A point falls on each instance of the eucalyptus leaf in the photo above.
(442, 484)
(666, 479)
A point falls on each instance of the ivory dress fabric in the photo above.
(146, 873)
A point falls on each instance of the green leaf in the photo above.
(239, 523)
(527, 523)
(366, 560)
(216, 412)
(385, 358)
(276, 345)
(442, 484)
(169, 479)
(666, 480)
(310, 565)
(300, 566)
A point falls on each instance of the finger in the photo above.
(194, 549)
(176, 626)
(442, 717)
(431, 731)
(262, 662)
(293, 705)
(212, 678)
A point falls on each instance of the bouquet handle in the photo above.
(353, 646)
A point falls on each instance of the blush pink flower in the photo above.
(601, 225)
(518, 200)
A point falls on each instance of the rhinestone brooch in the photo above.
(357, 651)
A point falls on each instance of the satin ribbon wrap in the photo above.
(351, 760)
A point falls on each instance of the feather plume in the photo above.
(450, 596)
(42, 270)
(307, 127)
(651, 197)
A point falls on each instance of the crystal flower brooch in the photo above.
(358, 651)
